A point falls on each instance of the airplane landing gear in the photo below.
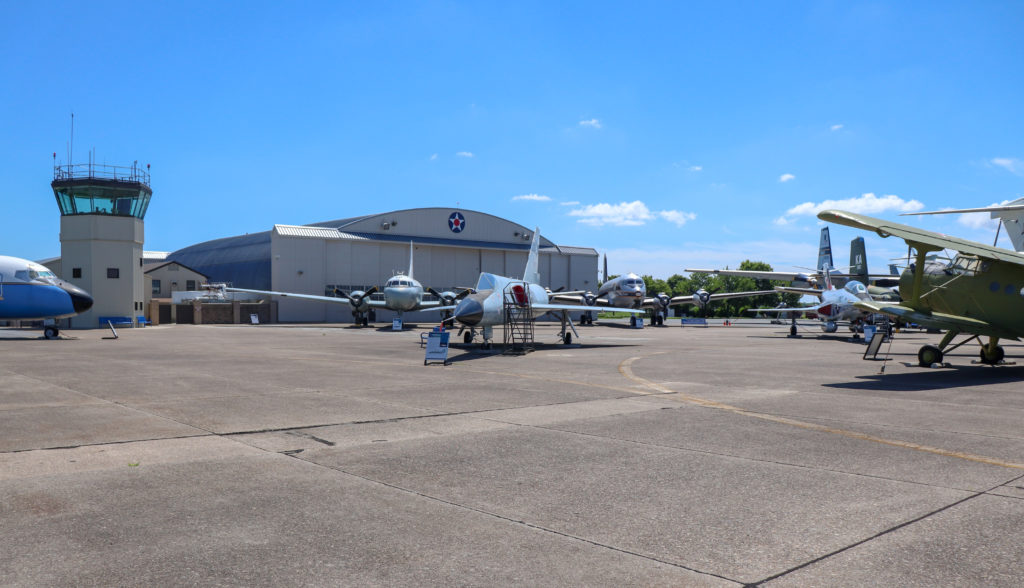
(992, 355)
(928, 355)
(467, 337)
(51, 332)
(567, 338)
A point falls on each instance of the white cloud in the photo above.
(677, 217)
(835, 127)
(534, 197)
(782, 221)
(594, 123)
(570, 203)
(1010, 164)
(627, 214)
(865, 204)
(623, 214)
(695, 168)
(786, 178)
(464, 154)
(433, 157)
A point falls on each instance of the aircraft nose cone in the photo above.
(469, 312)
(80, 299)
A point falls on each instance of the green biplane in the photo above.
(979, 293)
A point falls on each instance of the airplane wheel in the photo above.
(632, 321)
(930, 354)
(467, 338)
(995, 358)
(792, 330)
(567, 338)
(50, 332)
(366, 322)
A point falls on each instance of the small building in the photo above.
(166, 277)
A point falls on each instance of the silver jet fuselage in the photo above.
(486, 306)
(626, 291)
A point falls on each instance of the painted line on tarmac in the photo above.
(626, 369)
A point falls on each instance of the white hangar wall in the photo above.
(355, 254)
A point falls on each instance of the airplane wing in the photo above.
(335, 300)
(575, 307)
(792, 310)
(802, 291)
(937, 320)
(1003, 208)
(681, 300)
(920, 237)
(784, 276)
(569, 299)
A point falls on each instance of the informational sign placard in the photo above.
(396, 324)
(254, 319)
(639, 324)
(694, 322)
(437, 347)
(874, 344)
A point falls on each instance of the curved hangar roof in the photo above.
(244, 260)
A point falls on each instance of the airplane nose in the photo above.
(80, 299)
(469, 312)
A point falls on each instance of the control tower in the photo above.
(101, 233)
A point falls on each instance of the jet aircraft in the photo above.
(978, 293)
(835, 304)
(402, 293)
(29, 291)
(485, 307)
(630, 291)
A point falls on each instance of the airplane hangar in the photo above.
(451, 248)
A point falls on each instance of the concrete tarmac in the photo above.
(326, 455)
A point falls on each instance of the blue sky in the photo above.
(669, 135)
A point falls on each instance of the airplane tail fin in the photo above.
(532, 273)
(858, 261)
(894, 269)
(1013, 222)
(825, 251)
(410, 260)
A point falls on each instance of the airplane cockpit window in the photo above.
(486, 282)
(856, 288)
(968, 265)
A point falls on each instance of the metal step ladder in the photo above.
(518, 309)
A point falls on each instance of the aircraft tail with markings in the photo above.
(858, 261)
(825, 251)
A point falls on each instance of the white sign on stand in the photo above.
(396, 324)
(254, 319)
(639, 324)
(437, 347)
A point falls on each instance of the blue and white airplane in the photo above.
(29, 291)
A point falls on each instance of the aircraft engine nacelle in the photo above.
(702, 297)
(448, 298)
(829, 326)
(358, 300)
(588, 299)
(663, 300)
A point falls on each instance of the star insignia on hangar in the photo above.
(456, 222)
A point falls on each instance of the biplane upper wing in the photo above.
(920, 238)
